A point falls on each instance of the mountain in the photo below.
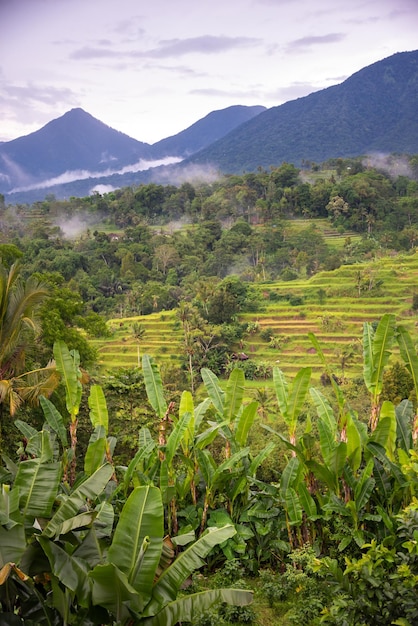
(375, 110)
(78, 146)
(75, 141)
(205, 131)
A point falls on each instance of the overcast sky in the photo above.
(152, 68)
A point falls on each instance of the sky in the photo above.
(151, 68)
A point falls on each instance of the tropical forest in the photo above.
(208, 401)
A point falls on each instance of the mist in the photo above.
(73, 175)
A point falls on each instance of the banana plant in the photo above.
(291, 398)
(131, 580)
(376, 353)
(67, 364)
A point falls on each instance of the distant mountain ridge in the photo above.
(78, 142)
(374, 110)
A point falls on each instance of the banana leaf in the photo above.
(327, 441)
(154, 386)
(234, 394)
(176, 436)
(383, 339)
(12, 544)
(404, 416)
(65, 365)
(200, 412)
(98, 408)
(137, 543)
(54, 419)
(290, 475)
(324, 410)
(38, 485)
(244, 423)
(70, 571)
(187, 406)
(408, 353)
(167, 586)
(354, 446)
(90, 489)
(186, 609)
(368, 361)
(307, 502)
(216, 394)
(281, 389)
(364, 486)
(96, 451)
(293, 507)
(112, 590)
(207, 466)
(298, 393)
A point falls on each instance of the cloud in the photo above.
(71, 175)
(205, 44)
(305, 43)
(88, 52)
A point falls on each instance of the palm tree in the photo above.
(19, 302)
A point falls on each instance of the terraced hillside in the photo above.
(332, 305)
(161, 339)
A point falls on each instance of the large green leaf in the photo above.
(216, 394)
(234, 394)
(229, 463)
(382, 341)
(145, 449)
(186, 609)
(71, 571)
(65, 365)
(337, 461)
(404, 416)
(327, 440)
(200, 412)
(293, 507)
(324, 410)
(95, 454)
(54, 419)
(354, 446)
(298, 393)
(12, 544)
(368, 361)
(281, 389)
(112, 590)
(154, 386)
(176, 436)
(187, 406)
(38, 486)
(290, 475)
(98, 408)
(307, 501)
(138, 539)
(244, 423)
(364, 486)
(408, 353)
(387, 411)
(167, 586)
(260, 458)
(207, 466)
(90, 489)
